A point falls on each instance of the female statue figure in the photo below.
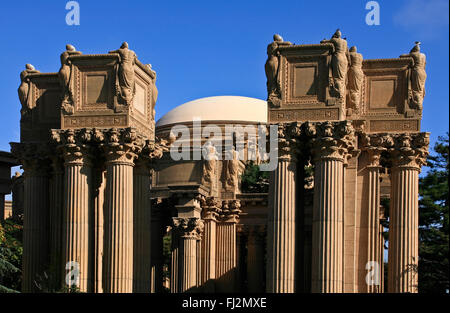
(125, 74)
(65, 75)
(355, 79)
(418, 76)
(24, 88)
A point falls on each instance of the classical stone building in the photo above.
(102, 187)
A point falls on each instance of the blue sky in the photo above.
(208, 48)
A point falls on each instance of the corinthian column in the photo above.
(141, 230)
(255, 258)
(77, 204)
(226, 250)
(281, 219)
(36, 214)
(188, 231)
(373, 145)
(121, 147)
(331, 144)
(211, 209)
(408, 155)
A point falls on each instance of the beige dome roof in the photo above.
(221, 108)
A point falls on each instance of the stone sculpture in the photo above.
(65, 78)
(339, 63)
(417, 78)
(209, 163)
(355, 80)
(24, 88)
(154, 89)
(272, 69)
(232, 170)
(125, 84)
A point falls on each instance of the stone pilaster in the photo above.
(188, 232)
(211, 209)
(282, 218)
(255, 258)
(332, 144)
(33, 158)
(120, 147)
(56, 216)
(226, 257)
(98, 231)
(408, 154)
(156, 246)
(142, 227)
(77, 203)
(374, 145)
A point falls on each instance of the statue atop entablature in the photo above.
(65, 78)
(125, 84)
(355, 81)
(417, 78)
(272, 69)
(339, 63)
(24, 88)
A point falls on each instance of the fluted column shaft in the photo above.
(327, 265)
(255, 259)
(188, 232)
(77, 207)
(373, 248)
(35, 226)
(141, 230)
(281, 228)
(56, 217)
(118, 257)
(209, 253)
(403, 230)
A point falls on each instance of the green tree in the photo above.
(11, 255)
(253, 180)
(433, 221)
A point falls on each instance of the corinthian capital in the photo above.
(190, 228)
(230, 211)
(331, 140)
(34, 157)
(288, 139)
(75, 145)
(375, 145)
(119, 145)
(409, 150)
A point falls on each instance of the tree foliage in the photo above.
(253, 180)
(11, 255)
(433, 221)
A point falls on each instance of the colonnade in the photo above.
(330, 145)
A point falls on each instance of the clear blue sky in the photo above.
(208, 48)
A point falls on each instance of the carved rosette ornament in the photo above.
(189, 228)
(332, 140)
